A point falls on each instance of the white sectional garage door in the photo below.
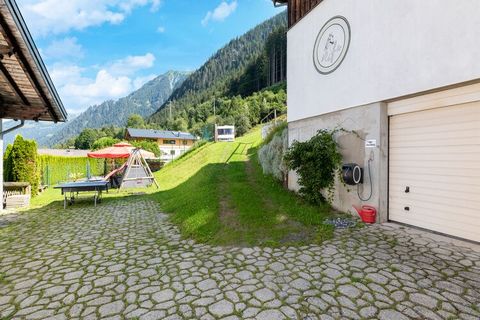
(434, 169)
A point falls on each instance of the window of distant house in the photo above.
(172, 152)
(168, 141)
(224, 132)
(184, 142)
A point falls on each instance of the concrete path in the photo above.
(123, 260)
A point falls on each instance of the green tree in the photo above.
(69, 143)
(148, 146)
(86, 139)
(236, 69)
(180, 124)
(104, 143)
(7, 163)
(135, 121)
(244, 113)
(112, 132)
(242, 124)
(22, 163)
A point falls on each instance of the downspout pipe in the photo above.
(18, 126)
(2, 133)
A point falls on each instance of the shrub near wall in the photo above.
(21, 163)
(317, 163)
(7, 163)
(55, 169)
(271, 154)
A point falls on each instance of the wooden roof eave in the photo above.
(279, 3)
(297, 9)
(22, 52)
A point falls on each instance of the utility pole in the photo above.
(170, 107)
(264, 103)
(214, 107)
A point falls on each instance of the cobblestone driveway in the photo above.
(124, 260)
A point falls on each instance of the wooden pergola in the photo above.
(26, 90)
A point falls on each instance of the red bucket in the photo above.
(368, 214)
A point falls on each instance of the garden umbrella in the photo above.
(119, 151)
(123, 144)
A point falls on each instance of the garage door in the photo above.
(434, 169)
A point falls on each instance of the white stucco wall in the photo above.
(167, 149)
(398, 47)
(368, 122)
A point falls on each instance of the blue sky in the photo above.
(103, 49)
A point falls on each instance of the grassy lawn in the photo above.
(218, 194)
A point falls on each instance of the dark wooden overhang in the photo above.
(297, 9)
(26, 90)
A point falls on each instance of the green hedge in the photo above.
(55, 169)
(21, 163)
(151, 146)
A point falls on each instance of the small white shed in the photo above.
(224, 133)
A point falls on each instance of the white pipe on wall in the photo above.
(1, 162)
(2, 133)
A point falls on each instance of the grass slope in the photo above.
(218, 194)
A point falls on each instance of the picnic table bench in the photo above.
(74, 188)
(16, 194)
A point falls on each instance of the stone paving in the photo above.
(124, 260)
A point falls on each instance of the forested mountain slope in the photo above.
(215, 77)
(144, 102)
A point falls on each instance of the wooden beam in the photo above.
(13, 84)
(6, 50)
(297, 9)
(24, 63)
(18, 111)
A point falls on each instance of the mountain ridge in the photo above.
(180, 90)
(224, 66)
(143, 101)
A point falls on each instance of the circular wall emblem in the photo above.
(331, 45)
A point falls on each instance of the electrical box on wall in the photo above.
(352, 174)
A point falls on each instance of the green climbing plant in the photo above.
(317, 162)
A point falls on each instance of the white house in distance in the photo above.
(405, 75)
(172, 143)
(224, 133)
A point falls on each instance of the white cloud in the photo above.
(131, 64)
(129, 5)
(161, 29)
(65, 48)
(103, 87)
(220, 13)
(54, 17)
(62, 74)
(112, 81)
(155, 5)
